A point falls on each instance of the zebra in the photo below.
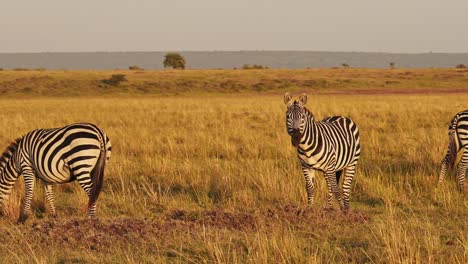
(458, 139)
(331, 146)
(59, 155)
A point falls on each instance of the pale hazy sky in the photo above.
(152, 25)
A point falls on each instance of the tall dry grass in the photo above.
(232, 153)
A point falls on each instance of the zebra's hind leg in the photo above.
(462, 167)
(85, 182)
(333, 189)
(348, 179)
(29, 178)
(50, 198)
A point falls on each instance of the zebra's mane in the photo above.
(308, 112)
(10, 150)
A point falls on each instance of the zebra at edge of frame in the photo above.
(59, 155)
(331, 146)
(458, 140)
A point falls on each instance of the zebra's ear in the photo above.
(303, 98)
(287, 98)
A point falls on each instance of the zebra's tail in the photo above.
(97, 174)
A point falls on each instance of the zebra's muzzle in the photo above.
(296, 137)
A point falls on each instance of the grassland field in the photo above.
(203, 171)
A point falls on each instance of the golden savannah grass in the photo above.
(33, 83)
(196, 178)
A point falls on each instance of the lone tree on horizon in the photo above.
(174, 60)
(392, 65)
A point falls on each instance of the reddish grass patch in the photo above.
(102, 234)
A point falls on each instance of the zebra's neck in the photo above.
(310, 131)
(9, 172)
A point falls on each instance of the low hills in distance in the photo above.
(229, 60)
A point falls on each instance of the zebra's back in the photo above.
(62, 154)
(344, 139)
(338, 146)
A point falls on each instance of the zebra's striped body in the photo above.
(458, 140)
(331, 146)
(74, 152)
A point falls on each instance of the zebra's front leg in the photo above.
(309, 175)
(330, 197)
(443, 170)
(333, 189)
(462, 167)
(50, 198)
(29, 179)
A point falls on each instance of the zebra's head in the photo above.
(295, 117)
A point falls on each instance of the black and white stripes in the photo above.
(74, 152)
(458, 140)
(331, 146)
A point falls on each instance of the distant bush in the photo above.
(115, 79)
(135, 68)
(460, 66)
(345, 65)
(20, 69)
(254, 67)
(174, 60)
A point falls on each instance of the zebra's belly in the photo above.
(319, 163)
(59, 174)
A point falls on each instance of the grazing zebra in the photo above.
(331, 146)
(458, 139)
(59, 155)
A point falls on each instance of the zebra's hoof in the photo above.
(22, 219)
(92, 217)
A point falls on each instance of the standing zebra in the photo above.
(331, 146)
(59, 155)
(458, 139)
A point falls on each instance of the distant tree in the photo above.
(392, 65)
(115, 79)
(345, 65)
(135, 68)
(174, 60)
(460, 66)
